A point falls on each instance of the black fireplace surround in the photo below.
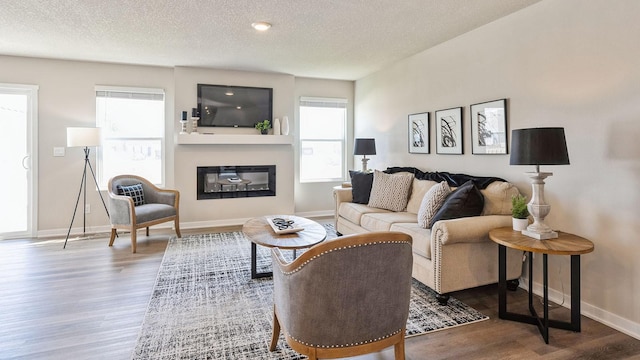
(224, 182)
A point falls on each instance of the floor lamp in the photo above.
(539, 146)
(84, 137)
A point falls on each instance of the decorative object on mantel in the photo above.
(276, 126)
(84, 137)
(519, 212)
(364, 147)
(194, 121)
(489, 127)
(449, 131)
(539, 146)
(284, 126)
(183, 123)
(263, 126)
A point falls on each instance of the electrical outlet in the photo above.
(87, 208)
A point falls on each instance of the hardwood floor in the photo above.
(88, 301)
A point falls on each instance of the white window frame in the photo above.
(133, 90)
(325, 102)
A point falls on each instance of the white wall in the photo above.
(315, 198)
(67, 98)
(559, 63)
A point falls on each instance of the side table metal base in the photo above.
(543, 323)
(254, 272)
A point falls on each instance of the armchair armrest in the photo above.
(121, 209)
(169, 197)
(473, 229)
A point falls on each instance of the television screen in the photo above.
(233, 106)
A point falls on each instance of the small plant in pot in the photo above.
(519, 212)
(263, 126)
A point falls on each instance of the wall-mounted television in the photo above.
(233, 106)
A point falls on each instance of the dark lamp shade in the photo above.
(539, 146)
(364, 147)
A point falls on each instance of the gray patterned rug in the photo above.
(206, 306)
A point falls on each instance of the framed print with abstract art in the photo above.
(489, 127)
(419, 133)
(449, 131)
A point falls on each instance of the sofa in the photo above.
(450, 230)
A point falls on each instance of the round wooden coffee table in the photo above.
(259, 232)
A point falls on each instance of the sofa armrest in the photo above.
(473, 229)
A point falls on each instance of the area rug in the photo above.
(206, 306)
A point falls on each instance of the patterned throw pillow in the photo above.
(431, 203)
(134, 191)
(390, 191)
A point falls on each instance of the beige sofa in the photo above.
(454, 254)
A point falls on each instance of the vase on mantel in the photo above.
(284, 125)
(276, 126)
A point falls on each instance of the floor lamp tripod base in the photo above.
(83, 190)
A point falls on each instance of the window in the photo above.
(132, 122)
(322, 139)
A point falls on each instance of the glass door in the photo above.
(18, 118)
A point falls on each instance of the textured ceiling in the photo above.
(334, 39)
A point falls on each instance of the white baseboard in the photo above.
(602, 316)
(169, 225)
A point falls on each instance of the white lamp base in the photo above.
(540, 236)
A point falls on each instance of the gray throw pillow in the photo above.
(465, 201)
(431, 203)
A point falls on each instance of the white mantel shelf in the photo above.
(230, 139)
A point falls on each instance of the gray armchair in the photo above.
(132, 207)
(344, 297)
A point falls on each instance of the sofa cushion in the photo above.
(361, 183)
(465, 201)
(431, 203)
(134, 191)
(421, 237)
(353, 212)
(390, 191)
(497, 198)
(418, 189)
(383, 221)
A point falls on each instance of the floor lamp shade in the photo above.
(83, 136)
(539, 146)
(364, 147)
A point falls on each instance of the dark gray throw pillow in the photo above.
(361, 184)
(134, 191)
(465, 201)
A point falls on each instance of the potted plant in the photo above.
(263, 126)
(519, 212)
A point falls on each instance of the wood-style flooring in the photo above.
(88, 301)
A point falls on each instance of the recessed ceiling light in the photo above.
(229, 93)
(261, 26)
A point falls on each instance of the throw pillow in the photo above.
(418, 190)
(134, 191)
(390, 191)
(464, 202)
(361, 183)
(497, 198)
(431, 203)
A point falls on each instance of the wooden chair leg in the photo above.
(177, 226)
(134, 240)
(276, 331)
(113, 237)
(399, 348)
(147, 231)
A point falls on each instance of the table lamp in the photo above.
(364, 147)
(539, 146)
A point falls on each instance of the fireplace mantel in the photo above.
(231, 139)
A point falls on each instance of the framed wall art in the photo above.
(489, 127)
(419, 133)
(449, 131)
